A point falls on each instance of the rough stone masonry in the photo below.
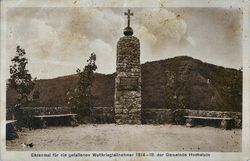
(128, 78)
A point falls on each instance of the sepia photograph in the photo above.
(123, 78)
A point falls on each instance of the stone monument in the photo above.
(128, 78)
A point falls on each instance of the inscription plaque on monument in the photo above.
(128, 83)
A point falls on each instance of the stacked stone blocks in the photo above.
(128, 81)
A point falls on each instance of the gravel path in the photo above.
(111, 137)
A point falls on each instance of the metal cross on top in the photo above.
(128, 14)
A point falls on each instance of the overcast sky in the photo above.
(59, 40)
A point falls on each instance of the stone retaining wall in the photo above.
(171, 116)
(47, 110)
(38, 111)
(156, 116)
(102, 115)
(165, 116)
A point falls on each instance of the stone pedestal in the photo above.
(128, 81)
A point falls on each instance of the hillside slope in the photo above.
(180, 82)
